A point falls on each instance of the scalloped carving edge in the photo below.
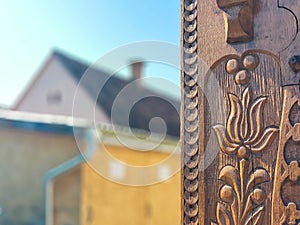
(190, 132)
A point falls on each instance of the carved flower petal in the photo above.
(223, 215)
(265, 140)
(246, 97)
(230, 176)
(258, 177)
(234, 118)
(224, 143)
(255, 115)
(256, 216)
(244, 131)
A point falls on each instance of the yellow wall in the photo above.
(107, 202)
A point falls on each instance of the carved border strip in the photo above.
(285, 211)
(190, 129)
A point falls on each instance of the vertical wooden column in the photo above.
(240, 130)
(190, 130)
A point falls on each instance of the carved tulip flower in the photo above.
(244, 132)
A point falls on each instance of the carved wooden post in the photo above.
(240, 112)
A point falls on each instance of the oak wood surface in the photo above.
(241, 119)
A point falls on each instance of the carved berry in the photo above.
(243, 152)
(227, 194)
(242, 77)
(232, 66)
(250, 62)
(258, 196)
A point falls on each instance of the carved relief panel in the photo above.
(286, 198)
(240, 112)
(245, 134)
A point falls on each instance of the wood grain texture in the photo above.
(289, 76)
(190, 115)
(238, 20)
(274, 30)
(286, 200)
(217, 101)
(264, 82)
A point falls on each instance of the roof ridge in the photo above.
(62, 53)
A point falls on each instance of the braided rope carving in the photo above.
(190, 114)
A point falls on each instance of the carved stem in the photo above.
(244, 168)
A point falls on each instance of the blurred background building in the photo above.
(82, 167)
(62, 78)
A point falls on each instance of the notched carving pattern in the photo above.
(242, 197)
(292, 148)
(291, 215)
(191, 119)
(240, 19)
(294, 115)
(289, 190)
(286, 202)
(294, 171)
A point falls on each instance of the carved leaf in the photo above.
(255, 115)
(234, 119)
(230, 176)
(235, 210)
(258, 177)
(225, 145)
(248, 208)
(265, 139)
(255, 217)
(223, 216)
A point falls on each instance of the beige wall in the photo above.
(26, 157)
(109, 203)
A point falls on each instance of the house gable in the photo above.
(101, 97)
(53, 91)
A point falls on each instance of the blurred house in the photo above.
(99, 96)
(61, 168)
(31, 145)
(48, 177)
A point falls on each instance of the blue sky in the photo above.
(86, 29)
